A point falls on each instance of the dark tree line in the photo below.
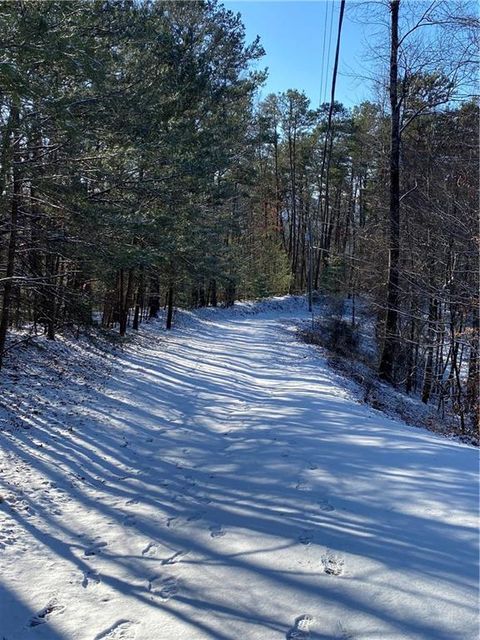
(137, 172)
(124, 128)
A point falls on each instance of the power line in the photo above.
(335, 66)
(329, 48)
(327, 146)
(324, 67)
(332, 96)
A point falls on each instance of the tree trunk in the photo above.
(50, 305)
(473, 380)
(139, 299)
(230, 294)
(428, 379)
(213, 292)
(12, 242)
(169, 307)
(202, 301)
(390, 346)
(124, 299)
(411, 363)
(154, 299)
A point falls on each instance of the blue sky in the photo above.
(292, 34)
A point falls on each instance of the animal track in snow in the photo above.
(343, 633)
(175, 558)
(7, 536)
(150, 550)
(324, 505)
(306, 536)
(165, 588)
(90, 576)
(196, 515)
(175, 521)
(121, 630)
(301, 628)
(217, 531)
(333, 564)
(302, 486)
(172, 522)
(53, 607)
(95, 548)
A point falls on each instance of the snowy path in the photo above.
(226, 487)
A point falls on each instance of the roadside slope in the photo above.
(225, 486)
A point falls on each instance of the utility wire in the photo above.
(324, 66)
(332, 95)
(329, 49)
(328, 138)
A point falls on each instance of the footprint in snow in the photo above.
(325, 505)
(7, 536)
(172, 522)
(302, 486)
(217, 531)
(165, 588)
(306, 536)
(333, 564)
(90, 577)
(175, 558)
(52, 608)
(129, 521)
(301, 628)
(196, 515)
(94, 549)
(120, 630)
(343, 633)
(150, 550)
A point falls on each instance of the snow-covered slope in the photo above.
(225, 485)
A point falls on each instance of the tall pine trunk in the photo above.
(125, 294)
(473, 380)
(139, 299)
(154, 299)
(428, 378)
(169, 307)
(390, 346)
(12, 242)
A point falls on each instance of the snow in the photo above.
(226, 484)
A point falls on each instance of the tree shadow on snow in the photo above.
(239, 438)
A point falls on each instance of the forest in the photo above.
(138, 170)
(239, 329)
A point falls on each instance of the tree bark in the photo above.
(428, 379)
(139, 299)
(390, 346)
(12, 242)
(125, 295)
(473, 380)
(154, 299)
(213, 292)
(169, 307)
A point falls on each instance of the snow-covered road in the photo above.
(227, 486)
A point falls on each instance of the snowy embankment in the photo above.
(224, 484)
